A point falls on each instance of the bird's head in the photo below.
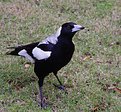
(67, 30)
(70, 28)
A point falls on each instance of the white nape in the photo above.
(53, 38)
(40, 54)
(26, 55)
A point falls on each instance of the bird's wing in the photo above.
(33, 51)
(17, 49)
(24, 51)
(42, 51)
(38, 50)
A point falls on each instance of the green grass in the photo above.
(87, 79)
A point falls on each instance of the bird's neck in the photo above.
(66, 37)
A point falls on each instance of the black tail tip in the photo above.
(8, 53)
(12, 53)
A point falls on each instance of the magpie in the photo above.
(51, 54)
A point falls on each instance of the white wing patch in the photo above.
(40, 54)
(26, 55)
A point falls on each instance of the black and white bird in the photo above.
(50, 55)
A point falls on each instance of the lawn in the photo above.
(92, 78)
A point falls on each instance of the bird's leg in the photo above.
(58, 79)
(42, 103)
(61, 87)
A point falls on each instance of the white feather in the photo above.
(53, 38)
(40, 54)
(26, 55)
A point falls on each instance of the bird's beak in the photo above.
(77, 28)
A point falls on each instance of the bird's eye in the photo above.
(69, 27)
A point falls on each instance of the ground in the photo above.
(92, 78)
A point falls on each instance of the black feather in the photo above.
(28, 47)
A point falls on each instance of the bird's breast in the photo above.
(61, 55)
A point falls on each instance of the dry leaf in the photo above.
(115, 89)
(115, 43)
(27, 65)
(86, 56)
(95, 109)
(118, 90)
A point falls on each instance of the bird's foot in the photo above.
(61, 87)
(43, 105)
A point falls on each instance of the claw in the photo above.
(61, 87)
(42, 104)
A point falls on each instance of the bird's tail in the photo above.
(13, 52)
